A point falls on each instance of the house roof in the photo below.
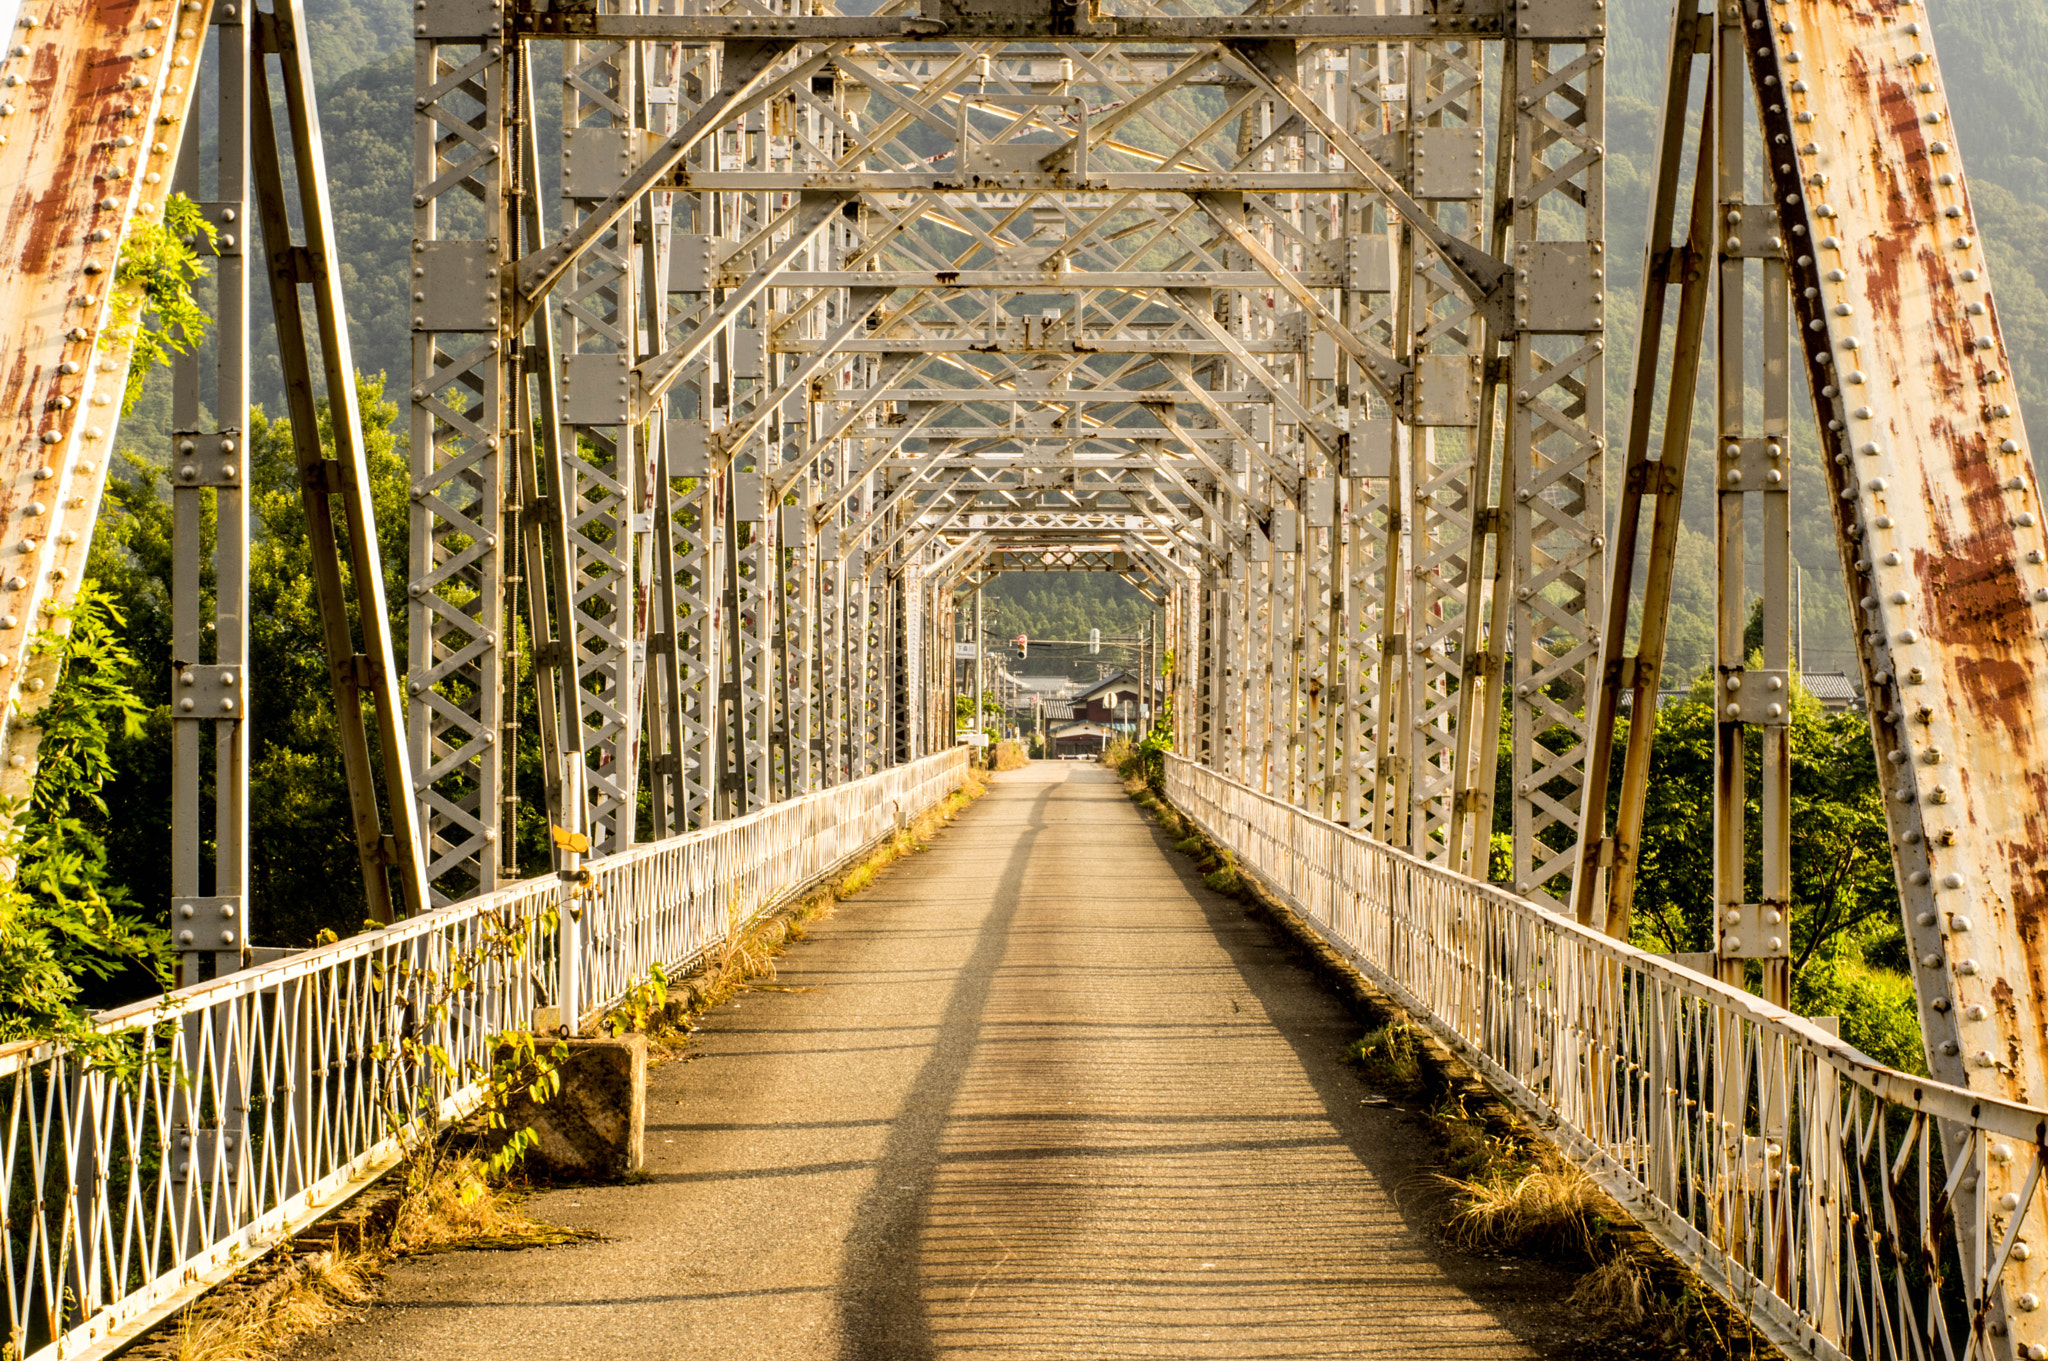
(1109, 682)
(1830, 687)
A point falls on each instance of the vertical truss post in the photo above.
(1555, 433)
(543, 504)
(666, 697)
(1449, 341)
(1748, 470)
(696, 576)
(603, 122)
(209, 649)
(466, 97)
(1489, 560)
(729, 736)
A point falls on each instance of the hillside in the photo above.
(1054, 610)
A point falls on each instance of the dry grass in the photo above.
(450, 1204)
(445, 1203)
(741, 958)
(1011, 755)
(1617, 1290)
(310, 1292)
(1554, 1211)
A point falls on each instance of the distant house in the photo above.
(1077, 738)
(1118, 702)
(1836, 691)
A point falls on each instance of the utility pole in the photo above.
(1799, 619)
(1144, 675)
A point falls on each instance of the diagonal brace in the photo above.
(655, 376)
(1379, 364)
(1485, 281)
(746, 61)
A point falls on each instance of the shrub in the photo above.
(1878, 1010)
(1390, 1057)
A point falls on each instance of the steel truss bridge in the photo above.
(1297, 318)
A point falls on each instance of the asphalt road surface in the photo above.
(1036, 1093)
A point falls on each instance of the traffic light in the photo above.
(1095, 640)
(1023, 647)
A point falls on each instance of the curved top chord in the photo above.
(93, 103)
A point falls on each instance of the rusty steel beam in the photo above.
(88, 133)
(1604, 892)
(1939, 523)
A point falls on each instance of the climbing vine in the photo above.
(161, 260)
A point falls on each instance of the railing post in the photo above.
(569, 935)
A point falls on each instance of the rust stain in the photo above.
(1887, 266)
(2028, 881)
(1948, 311)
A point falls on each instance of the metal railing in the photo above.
(1816, 1190)
(268, 1095)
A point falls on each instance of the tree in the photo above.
(1841, 852)
(65, 927)
(963, 708)
(304, 873)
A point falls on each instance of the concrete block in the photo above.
(595, 1127)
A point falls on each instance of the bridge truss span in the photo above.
(894, 297)
(734, 388)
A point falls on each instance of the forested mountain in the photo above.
(1056, 610)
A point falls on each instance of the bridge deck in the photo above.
(1042, 1095)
